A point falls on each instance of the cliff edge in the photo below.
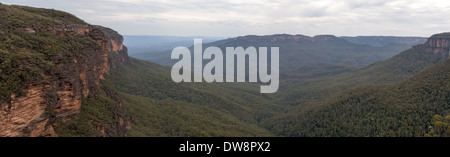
(52, 64)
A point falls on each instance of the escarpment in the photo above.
(49, 65)
(439, 44)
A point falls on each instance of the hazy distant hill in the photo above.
(149, 44)
(380, 41)
(414, 91)
(150, 92)
(298, 50)
(306, 92)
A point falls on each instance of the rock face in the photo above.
(117, 52)
(59, 94)
(25, 116)
(439, 44)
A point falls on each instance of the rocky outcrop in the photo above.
(439, 44)
(25, 115)
(77, 28)
(58, 94)
(117, 52)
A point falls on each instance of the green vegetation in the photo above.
(322, 91)
(95, 112)
(440, 128)
(316, 71)
(34, 45)
(165, 108)
(397, 109)
(323, 100)
(309, 92)
(27, 46)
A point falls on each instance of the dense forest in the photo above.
(387, 98)
(440, 128)
(329, 86)
(368, 110)
(397, 109)
(164, 108)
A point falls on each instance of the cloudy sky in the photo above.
(228, 18)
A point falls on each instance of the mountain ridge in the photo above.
(379, 41)
(378, 76)
(299, 50)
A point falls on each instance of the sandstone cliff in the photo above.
(439, 44)
(77, 63)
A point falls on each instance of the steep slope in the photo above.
(316, 71)
(52, 65)
(398, 68)
(399, 109)
(165, 108)
(308, 93)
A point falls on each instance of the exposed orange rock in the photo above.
(101, 130)
(25, 115)
(43, 129)
(85, 90)
(104, 68)
(121, 122)
(78, 28)
(128, 127)
(69, 101)
(439, 44)
(115, 46)
(77, 77)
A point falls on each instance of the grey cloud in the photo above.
(232, 17)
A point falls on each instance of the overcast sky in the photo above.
(228, 18)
